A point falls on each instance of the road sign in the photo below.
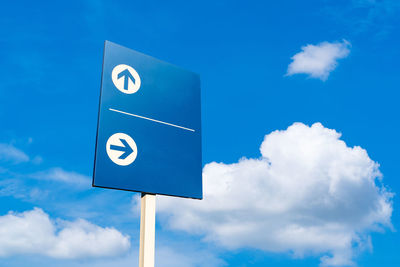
(131, 79)
(149, 126)
(121, 149)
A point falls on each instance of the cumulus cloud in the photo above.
(308, 194)
(33, 232)
(12, 154)
(318, 61)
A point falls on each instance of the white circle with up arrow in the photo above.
(126, 79)
(121, 149)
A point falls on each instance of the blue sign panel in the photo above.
(149, 126)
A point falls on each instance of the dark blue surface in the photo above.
(127, 75)
(125, 148)
(169, 158)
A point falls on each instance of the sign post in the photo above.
(148, 133)
(147, 230)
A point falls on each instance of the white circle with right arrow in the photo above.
(126, 79)
(121, 149)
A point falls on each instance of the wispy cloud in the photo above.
(375, 17)
(33, 232)
(17, 189)
(37, 186)
(60, 175)
(309, 193)
(318, 61)
(9, 153)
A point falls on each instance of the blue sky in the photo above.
(345, 76)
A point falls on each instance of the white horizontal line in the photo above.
(163, 122)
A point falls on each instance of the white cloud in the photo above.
(60, 175)
(308, 194)
(12, 154)
(32, 232)
(318, 61)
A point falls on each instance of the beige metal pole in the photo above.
(147, 230)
